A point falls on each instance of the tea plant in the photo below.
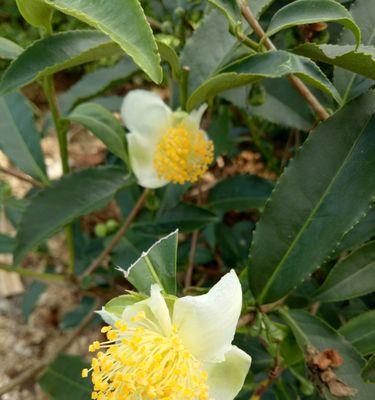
(290, 260)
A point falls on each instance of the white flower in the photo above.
(178, 349)
(164, 146)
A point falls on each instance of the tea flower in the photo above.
(164, 146)
(179, 349)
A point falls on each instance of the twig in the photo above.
(21, 176)
(193, 249)
(39, 367)
(297, 83)
(40, 276)
(121, 232)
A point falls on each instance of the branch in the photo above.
(39, 367)
(21, 176)
(297, 83)
(193, 249)
(121, 232)
(40, 276)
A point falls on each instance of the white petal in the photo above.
(160, 310)
(107, 317)
(226, 379)
(141, 154)
(207, 323)
(145, 112)
(197, 115)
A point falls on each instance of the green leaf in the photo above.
(125, 23)
(310, 330)
(157, 265)
(74, 195)
(63, 377)
(208, 49)
(232, 12)
(360, 61)
(117, 305)
(56, 53)
(96, 82)
(8, 49)
(239, 193)
(362, 231)
(36, 13)
(103, 125)
(19, 139)
(351, 277)
(74, 317)
(185, 217)
(303, 12)
(273, 64)
(284, 106)
(311, 201)
(31, 297)
(351, 85)
(368, 372)
(360, 332)
(167, 53)
(7, 244)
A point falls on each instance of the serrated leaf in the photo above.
(74, 195)
(19, 139)
(311, 201)
(8, 49)
(239, 193)
(360, 61)
(185, 217)
(56, 53)
(273, 64)
(310, 330)
(362, 231)
(103, 125)
(157, 265)
(125, 23)
(351, 85)
(303, 12)
(63, 377)
(351, 277)
(95, 83)
(360, 332)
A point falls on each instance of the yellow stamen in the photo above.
(141, 363)
(183, 154)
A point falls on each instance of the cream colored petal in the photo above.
(159, 308)
(107, 317)
(196, 115)
(145, 112)
(207, 323)
(141, 154)
(226, 379)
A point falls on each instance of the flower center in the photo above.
(183, 154)
(139, 363)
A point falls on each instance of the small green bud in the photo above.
(179, 12)
(36, 13)
(167, 27)
(257, 95)
(307, 388)
(152, 202)
(111, 225)
(101, 230)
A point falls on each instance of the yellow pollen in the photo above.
(183, 154)
(141, 363)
